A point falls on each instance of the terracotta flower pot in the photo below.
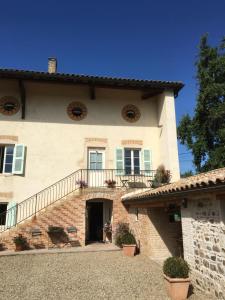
(129, 250)
(177, 288)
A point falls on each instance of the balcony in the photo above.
(116, 178)
(83, 178)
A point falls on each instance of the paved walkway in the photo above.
(93, 247)
(82, 275)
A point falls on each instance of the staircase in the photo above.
(83, 178)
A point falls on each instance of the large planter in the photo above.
(177, 288)
(129, 250)
(19, 247)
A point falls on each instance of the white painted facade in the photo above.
(57, 146)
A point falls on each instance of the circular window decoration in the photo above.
(77, 111)
(131, 113)
(9, 105)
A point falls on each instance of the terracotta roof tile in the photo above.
(89, 79)
(201, 180)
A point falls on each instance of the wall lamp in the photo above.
(184, 203)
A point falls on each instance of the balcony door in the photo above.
(132, 161)
(96, 166)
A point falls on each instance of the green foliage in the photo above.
(162, 176)
(204, 134)
(176, 267)
(187, 174)
(128, 239)
(121, 230)
(55, 229)
(20, 240)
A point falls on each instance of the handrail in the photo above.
(81, 178)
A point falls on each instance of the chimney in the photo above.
(52, 65)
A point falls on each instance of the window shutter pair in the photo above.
(146, 161)
(18, 159)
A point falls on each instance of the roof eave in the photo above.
(147, 198)
(91, 80)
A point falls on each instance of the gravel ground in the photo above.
(70, 276)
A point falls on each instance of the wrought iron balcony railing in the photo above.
(84, 178)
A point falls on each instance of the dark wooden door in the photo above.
(95, 216)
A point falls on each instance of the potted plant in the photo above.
(161, 177)
(82, 184)
(57, 235)
(110, 183)
(176, 276)
(129, 244)
(107, 229)
(20, 242)
(121, 230)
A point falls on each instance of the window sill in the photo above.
(6, 175)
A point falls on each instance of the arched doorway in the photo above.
(98, 213)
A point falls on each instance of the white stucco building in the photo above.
(52, 124)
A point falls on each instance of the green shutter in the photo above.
(119, 161)
(11, 214)
(147, 161)
(18, 159)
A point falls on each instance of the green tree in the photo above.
(204, 133)
(187, 174)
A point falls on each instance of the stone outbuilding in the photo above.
(186, 218)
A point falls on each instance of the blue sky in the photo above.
(140, 39)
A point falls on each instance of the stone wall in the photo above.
(158, 238)
(204, 243)
(67, 212)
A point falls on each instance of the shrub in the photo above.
(82, 184)
(55, 229)
(20, 240)
(128, 239)
(176, 267)
(121, 230)
(162, 176)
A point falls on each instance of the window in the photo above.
(3, 208)
(132, 161)
(96, 159)
(6, 158)
(12, 159)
